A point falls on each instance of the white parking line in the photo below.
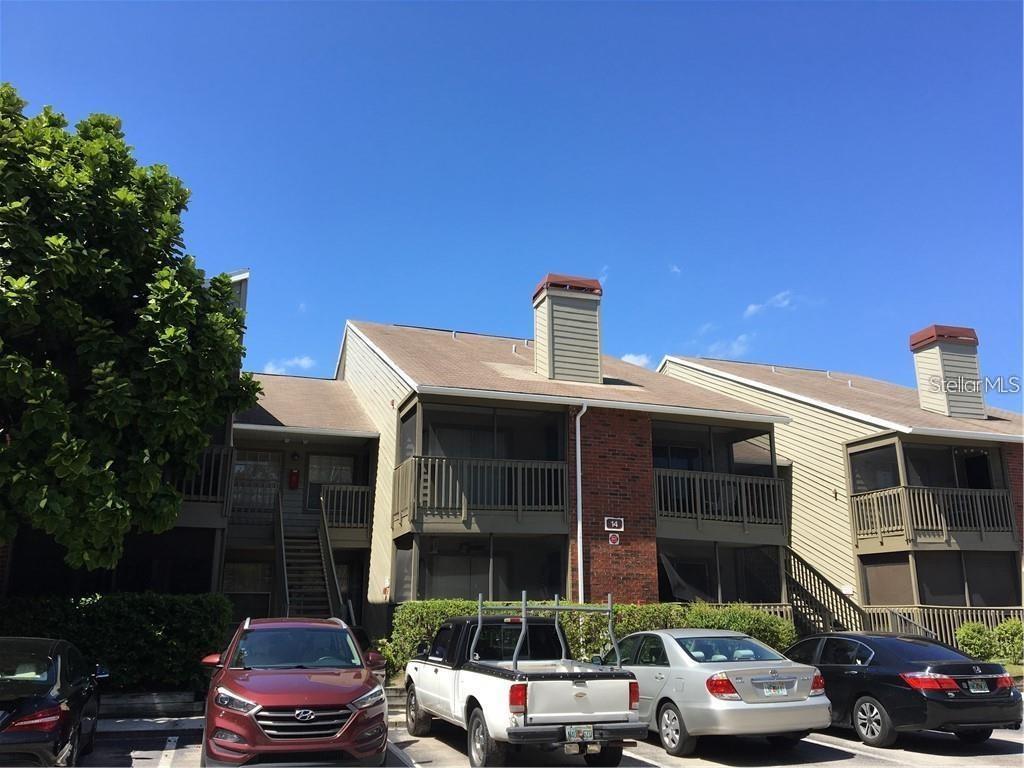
(635, 756)
(403, 758)
(855, 751)
(168, 754)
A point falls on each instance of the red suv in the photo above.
(288, 690)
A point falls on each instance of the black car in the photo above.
(49, 702)
(880, 684)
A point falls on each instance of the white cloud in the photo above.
(731, 348)
(780, 300)
(705, 329)
(603, 277)
(272, 367)
(674, 269)
(302, 362)
(302, 306)
(637, 358)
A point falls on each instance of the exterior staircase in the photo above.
(818, 605)
(307, 574)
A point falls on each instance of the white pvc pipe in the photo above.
(579, 507)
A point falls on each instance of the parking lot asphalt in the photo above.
(446, 746)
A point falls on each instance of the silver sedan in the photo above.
(697, 682)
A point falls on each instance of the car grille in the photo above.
(286, 723)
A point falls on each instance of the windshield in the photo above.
(498, 643)
(726, 649)
(24, 663)
(296, 648)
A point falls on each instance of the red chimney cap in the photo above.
(950, 333)
(569, 283)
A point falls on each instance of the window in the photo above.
(874, 469)
(803, 652)
(296, 648)
(627, 650)
(922, 650)
(257, 479)
(720, 649)
(327, 470)
(486, 433)
(715, 573)
(887, 579)
(498, 567)
(678, 457)
(652, 653)
(77, 670)
(442, 641)
(844, 652)
(993, 578)
(497, 642)
(930, 465)
(940, 578)
(407, 435)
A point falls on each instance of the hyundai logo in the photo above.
(304, 715)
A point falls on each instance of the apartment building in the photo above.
(908, 499)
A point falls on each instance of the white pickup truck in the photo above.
(507, 680)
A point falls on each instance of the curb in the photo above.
(148, 725)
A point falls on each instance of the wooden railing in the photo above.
(211, 480)
(820, 605)
(917, 513)
(940, 620)
(254, 501)
(346, 506)
(701, 496)
(780, 610)
(439, 487)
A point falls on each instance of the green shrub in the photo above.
(1009, 637)
(976, 640)
(148, 641)
(586, 633)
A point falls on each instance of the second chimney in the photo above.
(567, 328)
(948, 375)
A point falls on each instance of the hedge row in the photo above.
(148, 641)
(1004, 643)
(586, 633)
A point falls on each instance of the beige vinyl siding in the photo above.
(380, 391)
(928, 368)
(541, 333)
(813, 441)
(961, 362)
(575, 339)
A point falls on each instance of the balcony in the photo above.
(438, 494)
(716, 506)
(909, 517)
(205, 492)
(348, 513)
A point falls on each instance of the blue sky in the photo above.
(783, 182)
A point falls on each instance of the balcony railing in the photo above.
(449, 488)
(919, 514)
(346, 506)
(254, 501)
(939, 620)
(210, 481)
(700, 496)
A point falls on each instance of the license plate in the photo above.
(776, 689)
(579, 733)
(977, 686)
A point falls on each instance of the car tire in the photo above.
(483, 751)
(675, 739)
(787, 740)
(872, 723)
(88, 745)
(608, 757)
(974, 735)
(417, 722)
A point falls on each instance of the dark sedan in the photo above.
(48, 702)
(881, 684)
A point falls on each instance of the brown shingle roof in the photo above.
(300, 402)
(880, 401)
(433, 358)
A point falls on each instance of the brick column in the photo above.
(618, 481)
(1014, 453)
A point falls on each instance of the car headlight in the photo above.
(230, 700)
(375, 696)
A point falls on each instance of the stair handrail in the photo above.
(330, 572)
(839, 599)
(900, 616)
(282, 563)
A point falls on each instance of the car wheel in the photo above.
(482, 749)
(608, 757)
(872, 723)
(974, 736)
(417, 722)
(674, 737)
(90, 742)
(787, 740)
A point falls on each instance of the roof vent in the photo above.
(567, 328)
(948, 375)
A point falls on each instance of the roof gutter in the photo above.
(676, 410)
(963, 434)
(270, 429)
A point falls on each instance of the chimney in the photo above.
(948, 376)
(567, 328)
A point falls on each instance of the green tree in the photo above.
(117, 356)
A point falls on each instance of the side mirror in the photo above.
(101, 673)
(597, 660)
(423, 649)
(375, 661)
(211, 660)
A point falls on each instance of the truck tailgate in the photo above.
(592, 700)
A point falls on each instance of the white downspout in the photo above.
(579, 506)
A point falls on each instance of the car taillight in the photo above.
(43, 720)
(721, 687)
(1004, 681)
(817, 685)
(634, 694)
(517, 699)
(929, 681)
